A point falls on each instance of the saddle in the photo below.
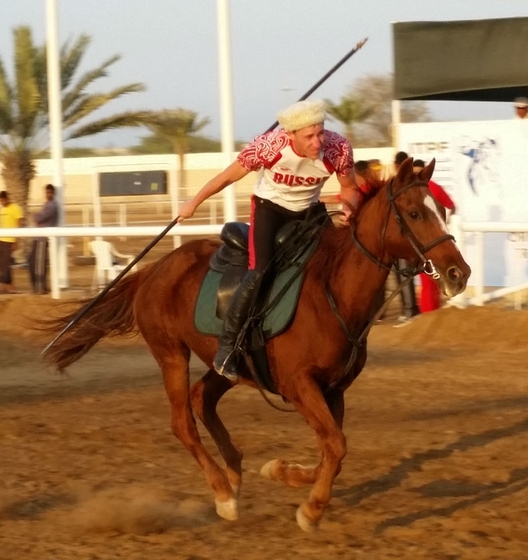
(294, 243)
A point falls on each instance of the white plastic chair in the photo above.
(106, 265)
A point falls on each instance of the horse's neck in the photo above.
(370, 227)
(356, 273)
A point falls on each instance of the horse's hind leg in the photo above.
(205, 395)
(176, 377)
(294, 474)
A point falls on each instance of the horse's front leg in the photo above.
(295, 474)
(205, 394)
(176, 377)
(310, 402)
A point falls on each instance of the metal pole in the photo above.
(226, 102)
(396, 121)
(55, 120)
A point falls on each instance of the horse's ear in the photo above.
(405, 171)
(427, 172)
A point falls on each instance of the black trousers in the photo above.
(6, 250)
(38, 264)
(408, 294)
(266, 220)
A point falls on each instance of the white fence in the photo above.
(457, 228)
(56, 233)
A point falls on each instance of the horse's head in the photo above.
(416, 230)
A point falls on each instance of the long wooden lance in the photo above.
(160, 236)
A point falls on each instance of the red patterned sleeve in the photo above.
(338, 152)
(262, 151)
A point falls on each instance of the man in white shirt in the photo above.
(296, 160)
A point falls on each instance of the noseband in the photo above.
(420, 250)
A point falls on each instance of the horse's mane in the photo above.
(335, 243)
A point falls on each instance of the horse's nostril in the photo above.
(454, 274)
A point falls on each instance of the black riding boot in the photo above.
(225, 362)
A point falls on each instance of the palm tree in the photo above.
(24, 122)
(349, 111)
(177, 126)
(378, 90)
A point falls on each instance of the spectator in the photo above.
(408, 295)
(521, 107)
(11, 216)
(430, 297)
(38, 258)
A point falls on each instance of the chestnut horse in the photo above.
(309, 361)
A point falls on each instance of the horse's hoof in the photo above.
(267, 469)
(306, 525)
(228, 509)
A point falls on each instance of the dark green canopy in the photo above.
(483, 60)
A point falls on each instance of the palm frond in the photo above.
(71, 56)
(128, 119)
(90, 103)
(27, 93)
(6, 98)
(78, 90)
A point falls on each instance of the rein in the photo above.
(360, 341)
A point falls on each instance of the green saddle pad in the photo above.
(275, 321)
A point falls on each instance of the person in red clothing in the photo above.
(430, 297)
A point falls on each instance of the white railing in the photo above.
(456, 227)
(54, 233)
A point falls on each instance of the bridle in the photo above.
(420, 250)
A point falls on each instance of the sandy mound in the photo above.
(475, 326)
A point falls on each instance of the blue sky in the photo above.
(280, 48)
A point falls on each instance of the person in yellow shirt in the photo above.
(11, 216)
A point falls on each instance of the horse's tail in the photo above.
(112, 315)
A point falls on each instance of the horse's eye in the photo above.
(414, 215)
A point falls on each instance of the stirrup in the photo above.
(226, 368)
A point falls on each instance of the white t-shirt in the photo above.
(289, 180)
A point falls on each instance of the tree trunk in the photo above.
(18, 171)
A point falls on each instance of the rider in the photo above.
(296, 159)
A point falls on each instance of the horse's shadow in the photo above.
(517, 481)
(397, 356)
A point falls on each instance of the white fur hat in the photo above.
(302, 114)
